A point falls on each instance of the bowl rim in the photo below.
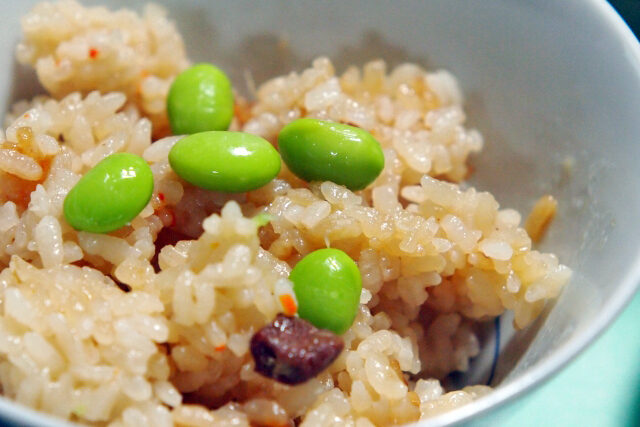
(16, 413)
(630, 285)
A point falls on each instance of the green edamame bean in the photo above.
(109, 195)
(327, 285)
(317, 150)
(232, 162)
(200, 99)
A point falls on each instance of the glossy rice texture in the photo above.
(202, 276)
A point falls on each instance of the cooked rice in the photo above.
(541, 216)
(434, 257)
(81, 49)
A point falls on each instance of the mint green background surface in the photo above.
(599, 388)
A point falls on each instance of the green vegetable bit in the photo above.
(317, 150)
(231, 162)
(262, 219)
(109, 195)
(80, 410)
(327, 285)
(200, 99)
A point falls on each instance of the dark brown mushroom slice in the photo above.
(291, 350)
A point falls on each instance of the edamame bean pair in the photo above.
(116, 190)
(314, 150)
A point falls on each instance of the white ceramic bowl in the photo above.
(544, 81)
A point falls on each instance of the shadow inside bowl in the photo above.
(24, 84)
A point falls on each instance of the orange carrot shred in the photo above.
(289, 304)
(93, 53)
(221, 347)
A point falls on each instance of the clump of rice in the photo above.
(80, 49)
(434, 257)
(54, 143)
(417, 116)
